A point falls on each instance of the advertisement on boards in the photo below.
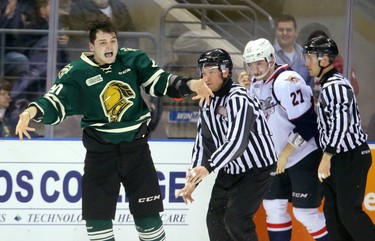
(40, 194)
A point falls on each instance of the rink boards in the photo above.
(40, 193)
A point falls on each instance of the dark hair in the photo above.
(100, 22)
(41, 3)
(5, 85)
(287, 18)
(35, 13)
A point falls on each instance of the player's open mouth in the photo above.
(108, 55)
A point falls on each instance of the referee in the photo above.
(233, 139)
(347, 158)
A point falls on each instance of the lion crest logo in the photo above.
(115, 100)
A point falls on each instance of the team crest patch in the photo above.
(65, 70)
(293, 79)
(94, 80)
(115, 100)
(268, 106)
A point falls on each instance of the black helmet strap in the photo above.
(321, 67)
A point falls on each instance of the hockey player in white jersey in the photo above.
(288, 105)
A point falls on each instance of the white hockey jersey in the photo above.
(285, 97)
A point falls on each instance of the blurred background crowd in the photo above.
(39, 37)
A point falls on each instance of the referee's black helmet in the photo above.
(322, 45)
(215, 57)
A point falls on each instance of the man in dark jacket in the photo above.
(117, 11)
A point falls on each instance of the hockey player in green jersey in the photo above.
(104, 86)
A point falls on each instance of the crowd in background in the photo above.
(25, 54)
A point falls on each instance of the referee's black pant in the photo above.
(234, 201)
(344, 192)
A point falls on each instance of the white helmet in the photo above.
(259, 49)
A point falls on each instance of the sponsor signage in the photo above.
(40, 193)
(183, 116)
(40, 188)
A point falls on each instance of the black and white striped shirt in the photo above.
(233, 133)
(339, 121)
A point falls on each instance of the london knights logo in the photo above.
(115, 100)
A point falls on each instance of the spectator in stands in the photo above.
(287, 50)
(64, 6)
(13, 15)
(4, 104)
(316, 29)
(116, 10)
(37, 53)
(9, 116)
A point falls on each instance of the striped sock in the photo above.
(100, 230)
(152, 235)
(321, 235)
(150, 228)
(280, 231)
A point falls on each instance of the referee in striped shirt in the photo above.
(234, 140)
(347, 158)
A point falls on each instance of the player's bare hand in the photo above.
(186, 192)
(22, 127)
(281, 164)
(324, 170)
(197, 174)
(244, 80)
(203, 92)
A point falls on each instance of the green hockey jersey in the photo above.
(108, 96)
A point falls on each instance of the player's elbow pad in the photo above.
(178, 87)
